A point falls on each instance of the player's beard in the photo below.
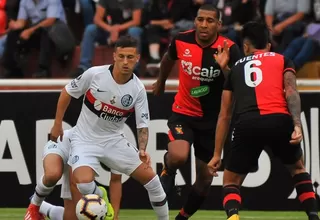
(208, 40)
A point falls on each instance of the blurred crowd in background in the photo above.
(57, 27)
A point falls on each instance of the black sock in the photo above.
(231, 199)
(305, 193)
(193, 204)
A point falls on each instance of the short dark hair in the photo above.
(126, 41)
(257, 33)
(211, 7)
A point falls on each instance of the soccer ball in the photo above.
(91, 207)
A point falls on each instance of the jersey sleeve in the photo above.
(288, 66)
(235, 55)
(78, 86)
(228, 83)
(142, 110)
(172, 50)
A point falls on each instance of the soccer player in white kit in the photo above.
(111, 94)
(58, 153)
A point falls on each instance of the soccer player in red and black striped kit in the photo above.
(197, 103)
(267, 108)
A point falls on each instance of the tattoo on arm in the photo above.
(143, 135)
(292, 97)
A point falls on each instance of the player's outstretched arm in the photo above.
(143, 136)
(221, 131)
(63, 103)
(223, 121)
(292, 97)
(166, 67)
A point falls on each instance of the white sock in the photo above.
(51, 211)
(41, 192)
(158, 198)
(89, 188)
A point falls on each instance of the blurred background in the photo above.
(80, 38)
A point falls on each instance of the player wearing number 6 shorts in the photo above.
(267, 109)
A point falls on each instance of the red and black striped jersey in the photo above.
(257, 84)
(200, 77)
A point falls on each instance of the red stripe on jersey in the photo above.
(171, 138)
(92, 100)
(270, 92)
(188, 64)
(220, 42)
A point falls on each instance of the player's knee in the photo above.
(83, 175)
(177, 159)
(52, 176)
(155, 190)
(178, 152)
(86, 188)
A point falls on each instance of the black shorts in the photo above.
(251, 136)
(197, 131)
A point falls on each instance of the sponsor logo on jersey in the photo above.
(199, 91)
(113, 100)
(145, 115)
(198, 73)
(104, 110)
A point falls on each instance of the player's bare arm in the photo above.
(221, 130)
(63, 103)
(143, 136)
(166, 66)
(292, 97)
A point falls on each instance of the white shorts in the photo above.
(61, 148)
(65, 186)
(117, 154)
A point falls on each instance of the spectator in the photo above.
(304, 48)
(166, 19)
(87, 10)
(236, 13)
(112, 18)
(286, 20)
(3, 26)
(43, 15)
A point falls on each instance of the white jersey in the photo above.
(107, 104)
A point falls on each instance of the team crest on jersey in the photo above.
(113, 100)
(126, 100)
(178, 129)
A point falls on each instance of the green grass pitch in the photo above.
(18, 214)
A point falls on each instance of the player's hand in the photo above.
(144, 157)
(158, 87)
(56, 131)
(296, 136)
(223, 55)
(213, 165)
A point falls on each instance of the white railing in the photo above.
(147, 82)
